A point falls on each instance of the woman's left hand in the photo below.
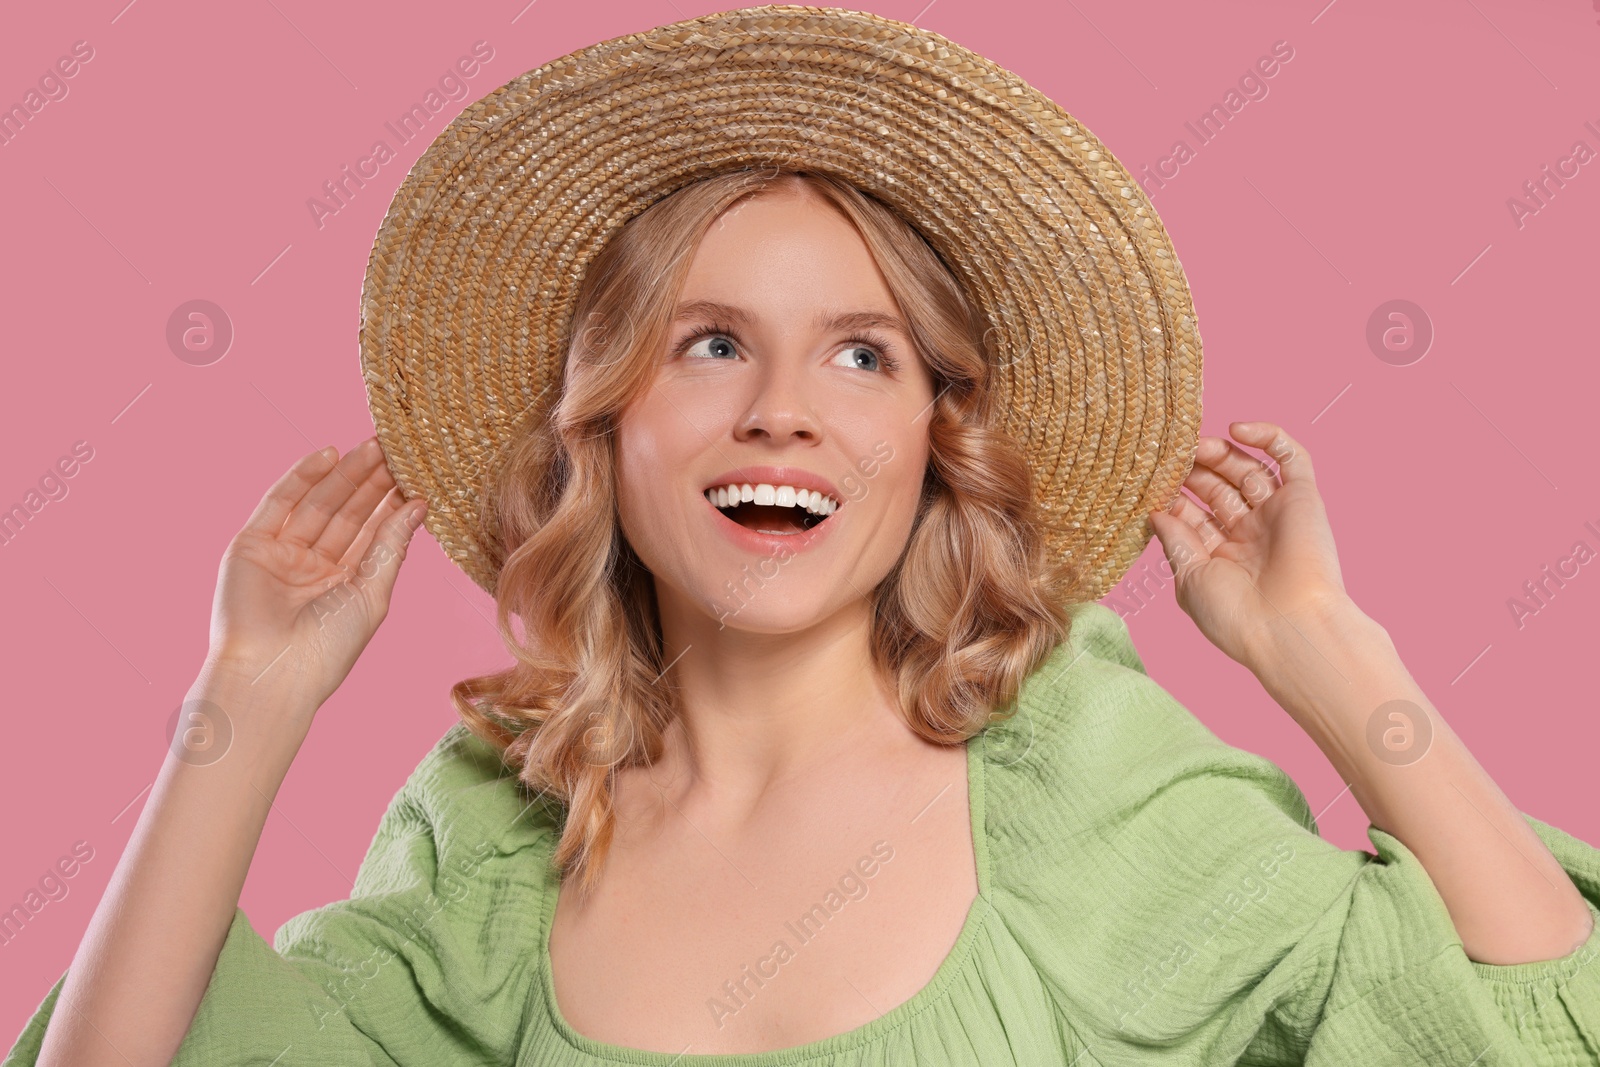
(1261, 560)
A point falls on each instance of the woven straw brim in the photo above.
(469, 289)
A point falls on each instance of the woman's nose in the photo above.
(780, 407)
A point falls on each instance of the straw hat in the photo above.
(471, 282)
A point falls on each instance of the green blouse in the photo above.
(1147, 894)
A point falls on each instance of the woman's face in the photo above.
(772, 383)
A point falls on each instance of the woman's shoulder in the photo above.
(1125, 837)
(1090, 713)
(461, 813)
(1172, 891)
(1096, 746)
(463, 787)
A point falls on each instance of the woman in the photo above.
(837, 773)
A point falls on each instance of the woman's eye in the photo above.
(717, 346)
(721, 345)
(855, 353)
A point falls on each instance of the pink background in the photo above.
(1378, 166)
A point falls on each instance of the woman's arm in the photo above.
(1259, 575)
(1509, 898)
(147, 956)
(292, 612)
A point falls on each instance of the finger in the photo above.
(1294, 464)
(1219, 494)
(1180, 541)
(1198, 519)
(313, 513)
(348, 522)
(288, 491)
(1247, 473)
(392, 501)
(381, 564)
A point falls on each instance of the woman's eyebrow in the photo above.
(867, 318)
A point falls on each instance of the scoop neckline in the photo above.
(949, 968)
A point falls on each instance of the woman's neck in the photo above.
(759, 711)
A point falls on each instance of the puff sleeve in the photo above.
(1182, 908)
(1381, 976)
(414, 967)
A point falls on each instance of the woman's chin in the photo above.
(770, 610)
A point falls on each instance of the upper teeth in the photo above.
(784, 496)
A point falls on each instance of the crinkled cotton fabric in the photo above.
(1147, 895)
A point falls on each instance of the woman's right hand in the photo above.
(307, 581)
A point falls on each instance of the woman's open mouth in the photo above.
(802, 510)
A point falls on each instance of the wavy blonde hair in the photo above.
(973, 605)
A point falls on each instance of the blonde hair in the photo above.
(971, 607)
